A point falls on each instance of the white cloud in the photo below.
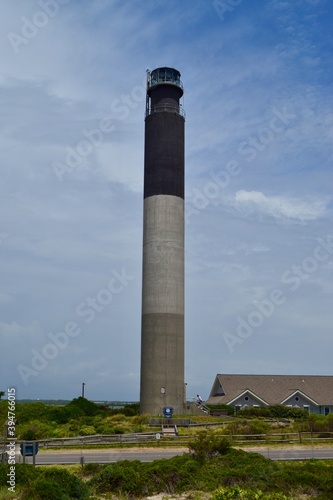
(281, 208)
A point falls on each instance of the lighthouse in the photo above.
(162, 326)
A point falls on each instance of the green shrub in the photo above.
(255, 427)
(234, 473)
(171, 476)
(274, 411)
(329, 422)
(230, 409)
(119, 430)
(118, 417)
(320, 423)
(124, 476)
(84, 407)
(70, 484)
(246, 427)
(32, 411)
(43, 489)
(140, 419)
(280, 411)
(63, 431)
(105, 429)
(45, 484)
(138, 428)
(91, 468)
(33, 430)
(252, 412)
(25, 473)
(87, 430)
(62, 415)
(128, 410)
(238, 493)
(208, 445)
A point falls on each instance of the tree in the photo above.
(2, 393)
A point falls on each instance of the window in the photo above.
(296, 398)
(246, 398)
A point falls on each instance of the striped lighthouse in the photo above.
(162, 329)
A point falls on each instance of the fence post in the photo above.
(300, 436)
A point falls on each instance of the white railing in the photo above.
(166, 108)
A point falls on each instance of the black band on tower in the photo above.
(164, 158)
(164, 134)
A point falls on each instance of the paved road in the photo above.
(292, 454)
(102, 456)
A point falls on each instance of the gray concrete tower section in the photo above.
(162, 330)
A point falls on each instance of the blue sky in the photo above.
(259, 239)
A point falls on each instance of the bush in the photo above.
(43, 489)
(32, 411)
(319, 423)
(236, 474)
(128, 410)
(280, 411)
(248, 427)
(230, 409)
(81, 406)
(252, 412)
(274, 411)
(124, 477)
(34, 430)
(62, 415)
(118, 417)
(140, 419)
(245, 494)
(208, 445)
(91, 468)
(70, 484)
(87, 430)
(137, 479)
(329, 422)
(119, 430)
(45, 484)
(105, 429)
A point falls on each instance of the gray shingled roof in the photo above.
(272, 388)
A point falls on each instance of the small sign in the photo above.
(158, 435)
(167, 411)
(31, 449)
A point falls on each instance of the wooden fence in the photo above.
(157, 438)
(153, 438)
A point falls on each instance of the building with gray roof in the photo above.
(313, 393)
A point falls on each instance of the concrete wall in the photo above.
(162, 350)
